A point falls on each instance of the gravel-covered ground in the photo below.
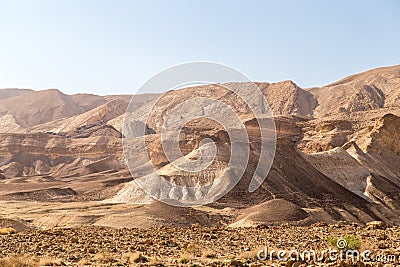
(192, 246)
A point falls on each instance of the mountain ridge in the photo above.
(337, 150)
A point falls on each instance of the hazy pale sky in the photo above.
(113, 47)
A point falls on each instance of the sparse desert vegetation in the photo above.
(187, 246)
(7, 231)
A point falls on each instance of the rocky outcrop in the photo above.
(364, 99)
(324, 135)
(286, 98)
(384, 137)
(8, 124)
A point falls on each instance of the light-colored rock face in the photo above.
(8, 124)
(384, 137)
(377, 89)
(360, 155)
(336, 158)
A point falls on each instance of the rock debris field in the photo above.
(196, 246)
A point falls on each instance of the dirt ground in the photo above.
(195, 245)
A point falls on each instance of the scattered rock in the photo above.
(375, 225)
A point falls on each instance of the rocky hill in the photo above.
(28, 109)
(337, 154)
(374, 90)
(11, 92)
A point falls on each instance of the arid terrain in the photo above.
(196, 245)
(66, 190)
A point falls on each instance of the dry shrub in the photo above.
(210, 254)
(194, 250)
(134, 257)
(49, 261)
(183, 260)
(104, 258)
(7, 231)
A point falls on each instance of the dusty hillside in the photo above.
(99, 115)
(28, 109)
(11, 92)
(337, 154)
(23, 110)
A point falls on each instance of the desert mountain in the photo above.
(23, 110)
(373, 90)
(286, 98)
(337, 152)
(97, 116)
(28, 109)
(11, 92)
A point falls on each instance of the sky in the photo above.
(113, 47)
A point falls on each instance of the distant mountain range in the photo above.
(337, 154)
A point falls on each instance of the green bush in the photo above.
(183, 260)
